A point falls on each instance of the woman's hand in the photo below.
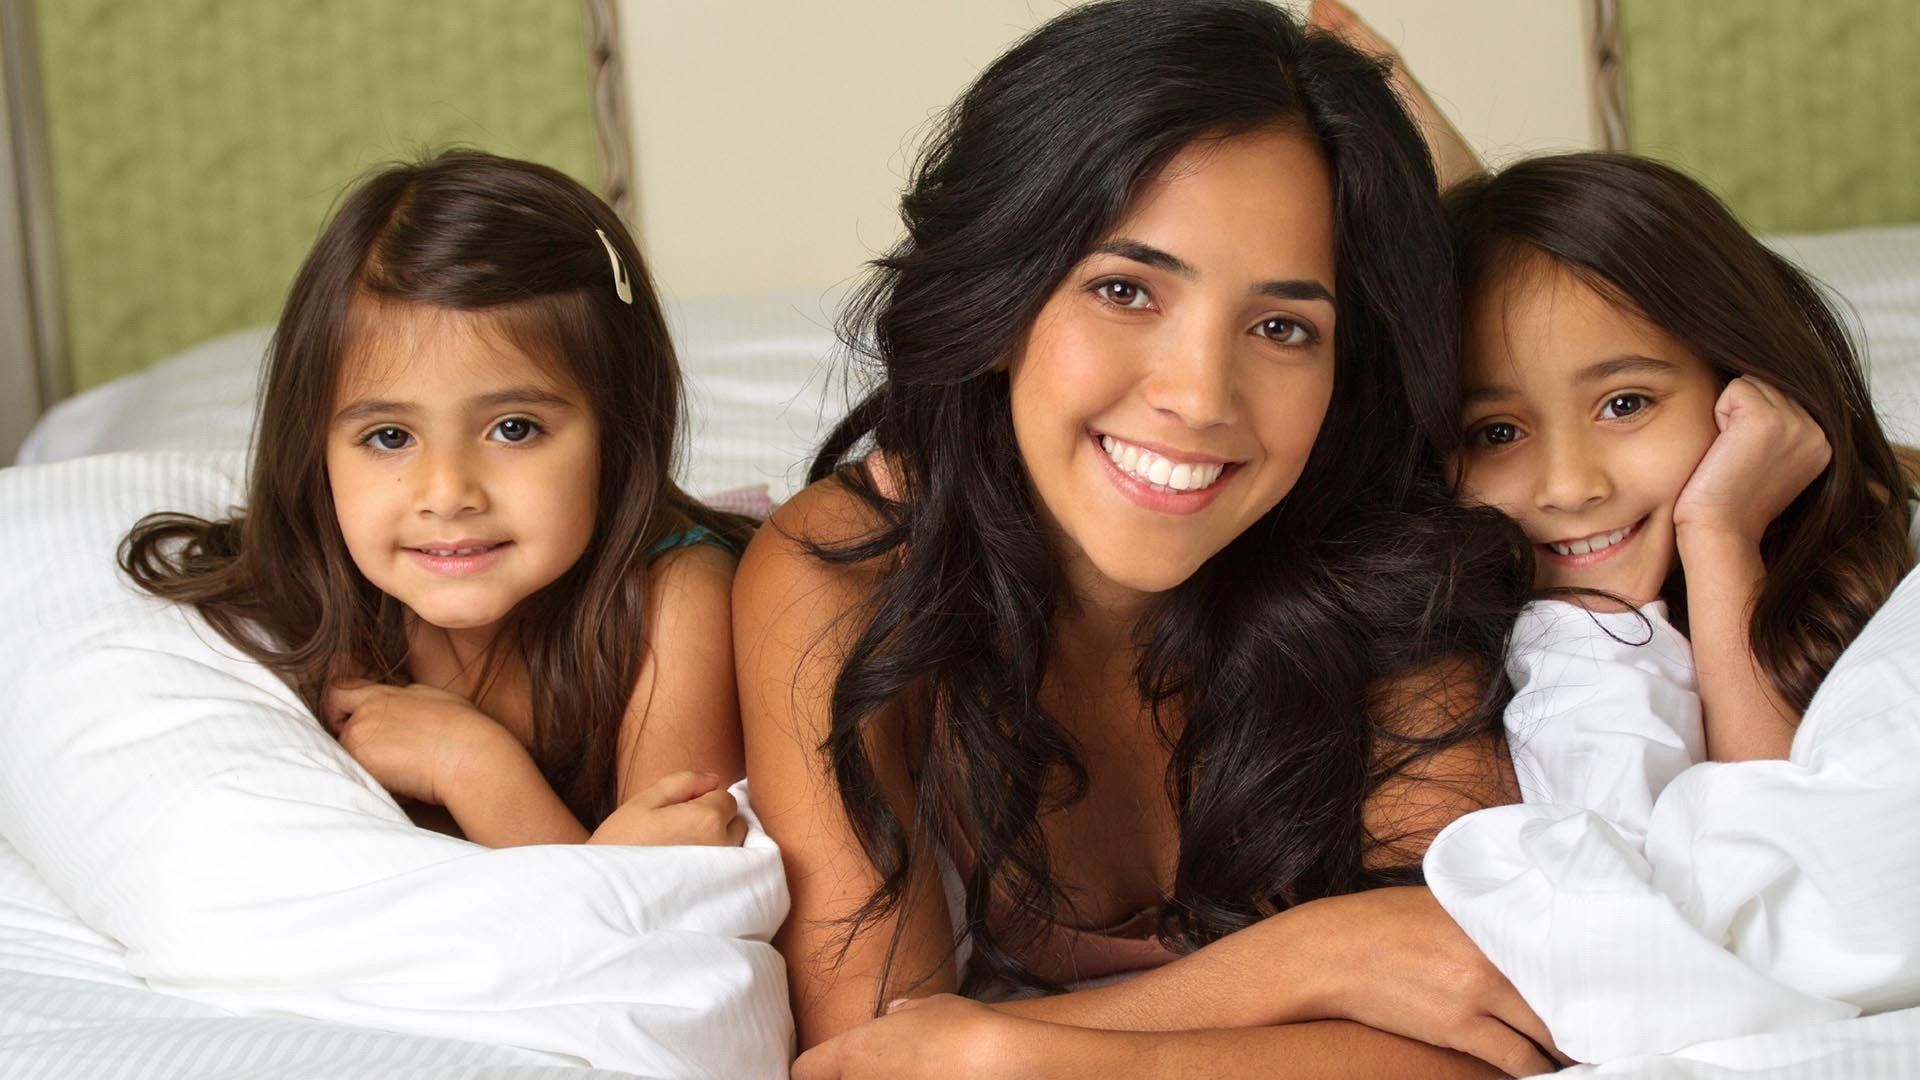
(415, 739)
(943, 1037)
(680, 808)
(1766, 454)
(1394, 960)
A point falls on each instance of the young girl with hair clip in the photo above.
(461, 545)
(1147, 638)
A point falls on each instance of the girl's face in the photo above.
(1584, 422)
(1171, 388)
(463, 471)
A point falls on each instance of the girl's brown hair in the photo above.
(1659, 245)
(469, 232)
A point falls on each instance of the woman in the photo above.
(1148, 628)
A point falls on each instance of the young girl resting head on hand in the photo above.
(1672, 412)
(461, 545)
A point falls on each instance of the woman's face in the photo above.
(1170, 390)
(1584, 422)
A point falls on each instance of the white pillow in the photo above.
(762, 374)
(182, 801)
(1874, 276)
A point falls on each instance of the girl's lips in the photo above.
(1591, 558)
(459, 565)
(1147, 497)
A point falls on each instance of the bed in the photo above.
(766, 380)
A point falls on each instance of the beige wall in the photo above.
(773, 139)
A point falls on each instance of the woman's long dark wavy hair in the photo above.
(471, 232)
(1661, 247)
(1263, 670)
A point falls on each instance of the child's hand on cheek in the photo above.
(1766, 454)
(413, 739)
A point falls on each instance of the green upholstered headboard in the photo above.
(1801, 114)
(195, 147)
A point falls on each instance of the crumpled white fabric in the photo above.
(180, 799)
(1745, 897)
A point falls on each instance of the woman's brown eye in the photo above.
(1123, 293)
(390, 438)
(1498, 434)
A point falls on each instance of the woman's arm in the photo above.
(1389, 958)
(950, 1038)
(793, 618)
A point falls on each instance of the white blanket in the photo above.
(1765, 896)
(182, 802)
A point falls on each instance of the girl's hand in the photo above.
(413, 739)
(1766, 454)
(1396, 961)
(942, 1037)
(680, 808)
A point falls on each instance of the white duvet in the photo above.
(1642, 906)
(179, 799)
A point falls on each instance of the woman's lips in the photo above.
(1159, 498)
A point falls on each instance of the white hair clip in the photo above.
(622, 285)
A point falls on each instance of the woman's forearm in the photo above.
(1262, 975)
(1323, 1050)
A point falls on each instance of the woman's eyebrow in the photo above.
(1147, 254)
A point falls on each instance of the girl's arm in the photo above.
(1453, 158)
(1767, 452)
(679, 743)
(793, 617)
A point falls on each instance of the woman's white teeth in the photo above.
(1601, 542)
(1150, 468)
(444, 552)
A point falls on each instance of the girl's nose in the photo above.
(449, 485)
(1572, 477)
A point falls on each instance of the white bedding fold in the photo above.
(1767, 895)
(180, 800)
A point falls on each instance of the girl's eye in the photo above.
(1286, 332)
(1493, 435)
(515, 429)
(389, 438)
(1622, 405)
(1124, 294)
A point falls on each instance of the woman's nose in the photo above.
(1192, 379)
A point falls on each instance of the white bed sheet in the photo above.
(69, 1009)
(180, 801)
